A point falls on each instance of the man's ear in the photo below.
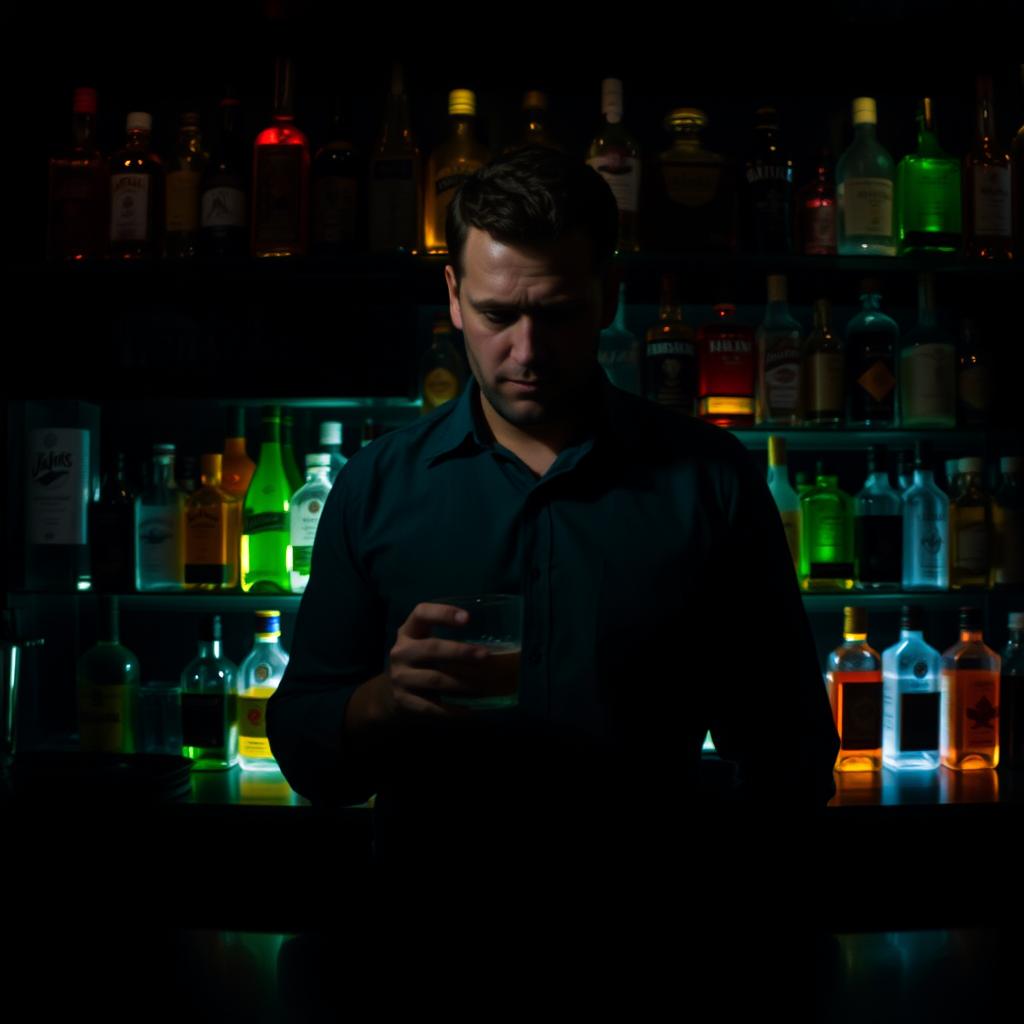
(454, 306)
(610, 281)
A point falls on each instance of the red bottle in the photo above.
(816, 210)
(987, 198)
(726, 353)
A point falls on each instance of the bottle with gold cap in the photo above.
(259, 675)
(786, 498)
(212, 522)
(614, 154)
(449, 165)
(854, 681)
(865, 187)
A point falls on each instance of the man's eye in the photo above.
(499, 318)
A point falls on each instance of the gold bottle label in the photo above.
(440, 385)
(182, 201)
(252, 718)
(104, 718)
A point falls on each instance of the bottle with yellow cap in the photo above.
(854, 681)
(259, 675)
(865, 187)
(449, 165)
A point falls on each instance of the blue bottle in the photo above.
(925, 529)
(911, 697)
(620, 351)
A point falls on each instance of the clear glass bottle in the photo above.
(213, 522)
(987, 186)
(307, 504)
(865, 180)
(928, 193)
(209, 711)
(925, 529)
(670, 354)
(854, 681)
(878, 528)
(779, 361)
(1008, 524)
(910, 697)
(824, 374)
(137, 195)
(927, 367)
(620, 351)
(827, 553)
(185, 173)
(970, 530)
(786, 498)
(331, 435)
(767, 206)
(264, 548)
(615, 155)
(1011, 697)
(160, 527)
(871, 341)
(969, 733)
(259, 675)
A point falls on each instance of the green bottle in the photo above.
(264, 550)
(108, 688)
(826, 536)
(928, 193)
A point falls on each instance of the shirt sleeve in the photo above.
(337, 645)
(767, 707)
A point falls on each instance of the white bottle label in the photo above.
(159, 536)
(867, 206)
(58, 486)
(305, 519)
(992, 202)
(223, 208)
(929, 384)
(622, 173)
(129, 207)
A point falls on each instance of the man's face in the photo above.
(531, 314)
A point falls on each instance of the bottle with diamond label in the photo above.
(871, 340)
(854, 682)
(307, 504)
(258, 677)
(969, 716)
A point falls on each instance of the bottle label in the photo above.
(206, 535)
(919, 722)
(129, 207)
(58, 486)
(992, 202)
(972, 553)
(857, 703)
(931, 546)
(440, 385)
(252, 718)
(781, 378)
(266, 522)
(204, 720)
(223, 207)
(622, 172)
(671, 374)
(159, 550)
(929, 390)
(183, 201)
(973, 706)
(867, 206)
(305, 518)
(104, 718)
(334, 210)
(826, 382)
(278, 195)
(821, 230)
(878, 380)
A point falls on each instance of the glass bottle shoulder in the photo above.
(855, 656)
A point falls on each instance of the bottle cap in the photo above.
(462, 102)
(84, 101)
(912, 617)
(1016, 620)
(139, 120)
(210, 628)
(330, 432)
(320, 459)
(535, 100)
(865, 111)
(685, 117)
(1010, 464)
(268, 623)
(971, 618)
(776, 450)
(855, 619)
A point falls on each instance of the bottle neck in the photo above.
(907, 633)
(462, 126)
(970, 636)
(234, 446)
(865, 130)
(138, 138)
(319, 474)
(83, 130)
(163, 472)
(855, 638)
(209, 648)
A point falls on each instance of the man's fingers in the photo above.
(427, 614)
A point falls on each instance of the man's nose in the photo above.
(528, 341)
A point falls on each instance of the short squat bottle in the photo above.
(258, 677)
(209, 717)
(854, 681)
(910, 697)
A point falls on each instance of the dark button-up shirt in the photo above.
(659, 602)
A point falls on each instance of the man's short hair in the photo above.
(534, 196)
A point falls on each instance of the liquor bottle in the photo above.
(910, 697)
(448, 167)
(816, 209)
(534, 132)
(614, 154)
(693, 191)
(337, 186)
(160, 527)
(280, 177)
(1017, 187)
(824, 372)
(970, 530)
(441, 371)
(871, 340)
(620, 352)
(304, 515)
(223, 223)
(213, 523)
(258, 677)
(112, 534)
(236, 466)
(396, 199)
(969, 717)
(725, 359)
(184, 178)
(987, 197)
(878, 528)
(975, 381)
(925, 528)
(779, 360)
(61, 479)
(79, 190)
(291, 467)
(787, 500)
(187, 475)
(108, 688)
(137, 195)
(767, 200)
(331, 434)
(264, 549)
(670, 354)
(1011, 699)
(854, 681)
(209, 703)
(904, 471)
(826, 536)
(1008, 525)
(952, 487)
(928, 193)
(927, 367)
(865, 178)
(803, 482)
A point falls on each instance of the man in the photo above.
(659, 599)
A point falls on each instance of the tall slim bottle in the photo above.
(264, 550)
(767, 198)
(209, 703)
(824, 371)
(987, 185)
(259, 675)
(184, 177)
(112, 533)
(137, 195)
(854, 682)
(865, 185)
(970, 530)
(878, 528)
(969, 734)
(927, 367)
(910, 697)
(223, 203)
(615, 155)
(160, 527)
(786, 498)
(779, 361)
(338, 206)
(236, 467)
(925, 529)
